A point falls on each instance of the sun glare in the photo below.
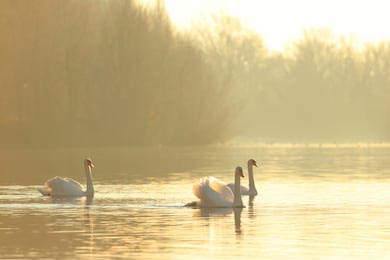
(281, 21)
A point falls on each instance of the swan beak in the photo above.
(255, 164)
(242, 175)
(91, 165)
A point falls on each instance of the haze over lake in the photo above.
(161, 93)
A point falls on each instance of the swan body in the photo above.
(212, 192)
(59, 186)
(244, 190)
(251, 191)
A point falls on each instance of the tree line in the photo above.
(86, 73)
(322, 87)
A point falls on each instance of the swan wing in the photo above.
(64, 186)
(75, 183)
(221, 188)
(213, 192)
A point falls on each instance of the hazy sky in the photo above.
(279, 21)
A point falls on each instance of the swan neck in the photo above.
(237, 192)
(252, 187)
(88, 175)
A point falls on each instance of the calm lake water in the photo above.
(315, 202)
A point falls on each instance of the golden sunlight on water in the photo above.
(313, 203)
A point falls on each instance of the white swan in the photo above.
(215, 193)
(58, 186)
(252, 188)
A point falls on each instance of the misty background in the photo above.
(117, 73)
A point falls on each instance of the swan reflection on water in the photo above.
(237, 220)
(85, 216)
(208, 212)
(223, 212)
(86, 201)
(251, 212)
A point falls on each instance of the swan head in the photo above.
(88, 162)
(252, 162)
(239, 171)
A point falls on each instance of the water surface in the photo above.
(315, 202)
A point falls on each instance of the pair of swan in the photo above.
(252, 188)
(212, 192)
